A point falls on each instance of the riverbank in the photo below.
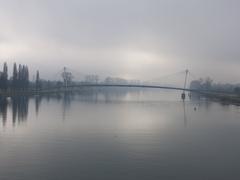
(229, 98)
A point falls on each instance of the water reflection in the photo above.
(184, 113)
(67, 98)
(133, 131)
(38, 100)
(3, 110)
(18, 106)
(19, 109)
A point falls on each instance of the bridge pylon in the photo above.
(185, 84)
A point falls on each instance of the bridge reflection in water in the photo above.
(17, 107)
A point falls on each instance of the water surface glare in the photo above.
(118, 134)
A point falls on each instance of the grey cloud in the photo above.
(95, 35)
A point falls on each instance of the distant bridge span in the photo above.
(71, 88)
(132, 86)
(68, 87)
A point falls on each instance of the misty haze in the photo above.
(117, 89)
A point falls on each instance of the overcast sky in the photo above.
(129, 38)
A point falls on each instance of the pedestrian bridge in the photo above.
(68, 86)
(72, 88)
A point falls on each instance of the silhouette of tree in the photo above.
(15, 76)
(26, 77)
(38, 85)
(4, 77)
(208, 83)
(24, 81)
(20, 76)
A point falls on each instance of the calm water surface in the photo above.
(118, 134)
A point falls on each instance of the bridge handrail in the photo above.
(61, 88)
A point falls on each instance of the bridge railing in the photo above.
(73, 87)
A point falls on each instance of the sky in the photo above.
(135, 39)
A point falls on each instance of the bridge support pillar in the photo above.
(183, 96)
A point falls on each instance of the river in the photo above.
(118, 134)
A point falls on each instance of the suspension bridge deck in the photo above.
(78, 87)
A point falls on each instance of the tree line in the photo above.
(209, 84)
(18, 80)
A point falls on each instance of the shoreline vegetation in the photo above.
(19, 82)
(220, 97)
(225, 93)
